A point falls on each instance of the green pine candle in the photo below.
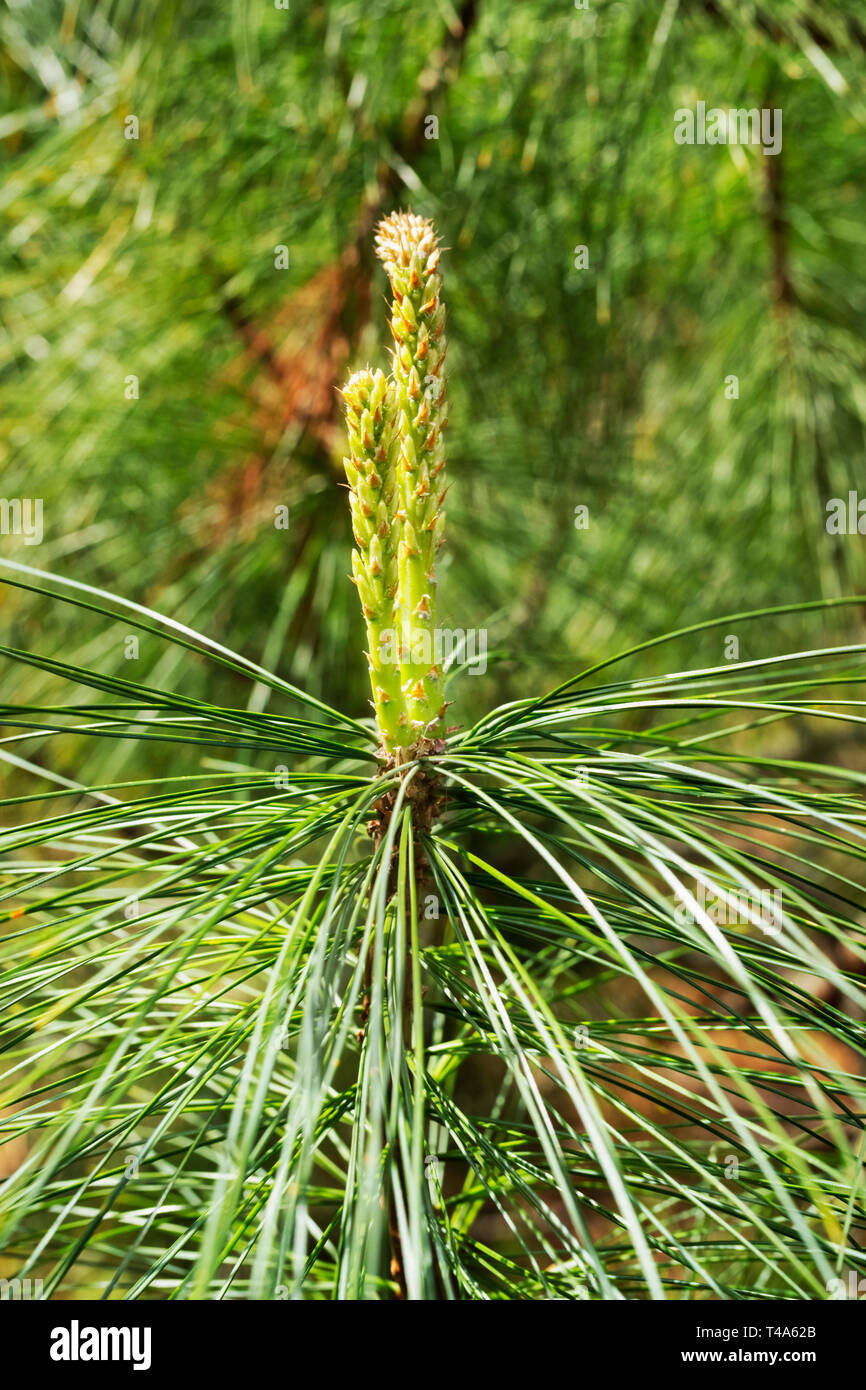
(372, 483)
(396, 473)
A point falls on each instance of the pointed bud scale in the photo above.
(410, 540)
(408, 455)
(376, 562)
(351, 472)
(408, 312)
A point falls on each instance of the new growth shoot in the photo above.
(396, 468)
